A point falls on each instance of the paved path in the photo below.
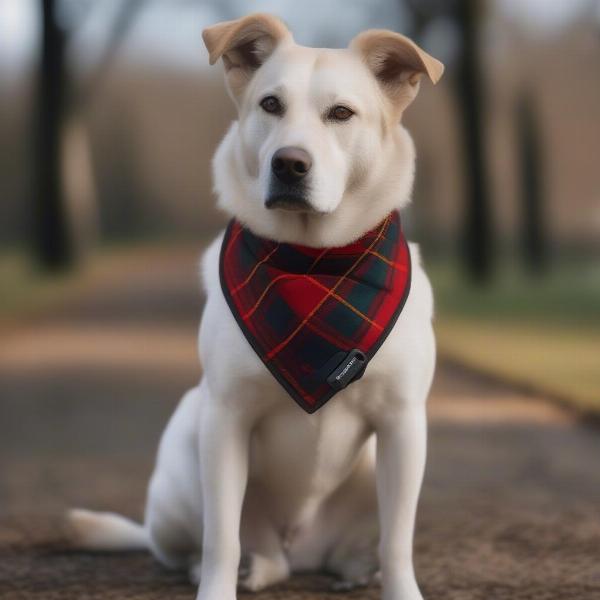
(510, 507)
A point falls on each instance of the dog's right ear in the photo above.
(244, 45)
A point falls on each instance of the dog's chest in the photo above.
(299, 455)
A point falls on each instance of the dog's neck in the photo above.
(317, 231)
(260, 246)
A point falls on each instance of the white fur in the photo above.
(242, 471)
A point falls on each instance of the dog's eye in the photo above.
(272, 105)
(340, 113)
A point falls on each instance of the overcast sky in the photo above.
(168, 31)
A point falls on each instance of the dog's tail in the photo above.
(105, 531)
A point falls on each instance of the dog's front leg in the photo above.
(401, 449)
(224, 435)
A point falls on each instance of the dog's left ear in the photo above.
(244, 45)
(397, 63)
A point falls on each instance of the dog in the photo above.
(248, 488)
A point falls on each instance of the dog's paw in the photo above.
(398, 587)
(354, 568)
(346, 585)
(256, 572)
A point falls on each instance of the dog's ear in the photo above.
(397, 63)
(244, 45)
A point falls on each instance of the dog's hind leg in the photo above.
(173, 523)
(174, 503)
(263, 561)
(351, 526)
(354, 560)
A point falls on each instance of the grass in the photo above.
(26, 291)
(541, 333)
(25, 288)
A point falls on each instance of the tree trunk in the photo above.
(533, 238)
(52, 244)
(477, 234)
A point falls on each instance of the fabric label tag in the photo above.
(347, 370)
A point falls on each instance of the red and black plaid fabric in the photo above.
(316, 316)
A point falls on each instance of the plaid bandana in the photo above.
(316, 316)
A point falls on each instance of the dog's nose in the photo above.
(291, 164)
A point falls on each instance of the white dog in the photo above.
(248, 488)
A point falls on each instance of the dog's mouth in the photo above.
(290, 203)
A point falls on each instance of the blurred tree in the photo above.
(477, 235)
(534, 244)
(52, 244)
(466, 15)
(57, 98)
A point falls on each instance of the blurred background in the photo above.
(109, 116)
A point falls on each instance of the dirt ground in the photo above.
(510, 507)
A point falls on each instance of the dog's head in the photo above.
(318, 155)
